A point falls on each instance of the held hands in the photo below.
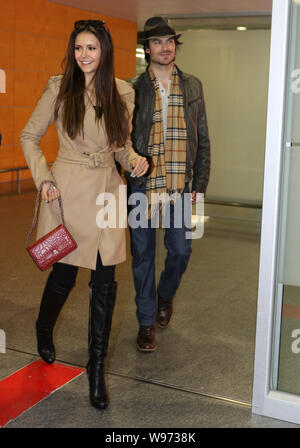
(196, 197)
(139, 166)
(49, 192)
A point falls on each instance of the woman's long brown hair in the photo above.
(72, 91)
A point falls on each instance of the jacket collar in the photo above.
(145, 77)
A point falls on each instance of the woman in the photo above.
(92, 111)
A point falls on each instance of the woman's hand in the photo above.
(139, 166)
(49, 192)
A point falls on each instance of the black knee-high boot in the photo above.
(102, 302)
(53, 300)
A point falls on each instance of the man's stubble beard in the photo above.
(153, 61)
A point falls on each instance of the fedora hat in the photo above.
(156, 27)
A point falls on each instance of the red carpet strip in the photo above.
(28, 386)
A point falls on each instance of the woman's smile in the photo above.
(87, 52)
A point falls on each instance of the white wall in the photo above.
(234, 69)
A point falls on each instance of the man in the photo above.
(170, 128)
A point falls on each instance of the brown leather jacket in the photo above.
(198, 143)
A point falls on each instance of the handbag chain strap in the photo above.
(37, 203)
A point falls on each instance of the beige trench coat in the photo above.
(84, 168)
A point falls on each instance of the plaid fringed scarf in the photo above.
(168, 159)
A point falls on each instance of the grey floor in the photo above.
(200, 376)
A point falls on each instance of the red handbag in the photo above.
(52, 247)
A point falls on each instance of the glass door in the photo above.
(276, 390)
(286, 354)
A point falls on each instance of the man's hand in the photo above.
(196, 197)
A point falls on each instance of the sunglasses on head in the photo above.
(100, 24)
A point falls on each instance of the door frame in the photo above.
(265, 401)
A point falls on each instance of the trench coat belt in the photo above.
(92, 160)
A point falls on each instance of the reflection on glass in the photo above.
(286, 347)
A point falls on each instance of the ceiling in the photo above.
(184, 11)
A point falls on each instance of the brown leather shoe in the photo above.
(146, 338)
(164, 311)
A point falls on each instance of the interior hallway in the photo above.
(201, 374)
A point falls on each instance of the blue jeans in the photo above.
(143, 249)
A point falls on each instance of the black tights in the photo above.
(64, 275)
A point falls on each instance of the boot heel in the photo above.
(102, 302)
(98, 391)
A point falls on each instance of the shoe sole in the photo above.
(146, 350)
(162, 326)
(100, 406)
